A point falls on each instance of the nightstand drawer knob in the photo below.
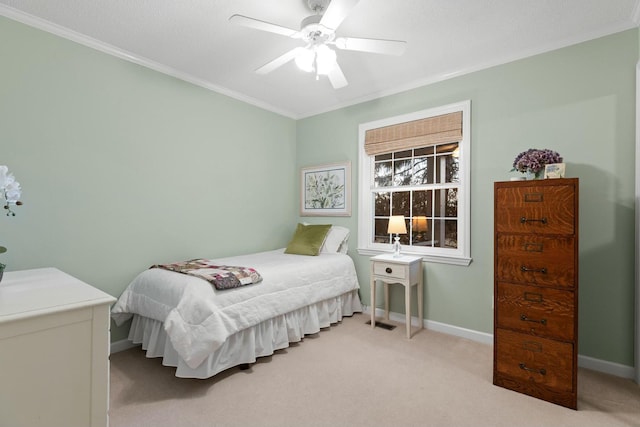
(388, 270)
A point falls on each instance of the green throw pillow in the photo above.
(308, 239)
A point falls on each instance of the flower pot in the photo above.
(535, 175)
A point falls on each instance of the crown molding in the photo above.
(103, 47)
(635, 15)
(492, 62)
(41, 24)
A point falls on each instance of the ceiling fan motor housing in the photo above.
(313, 32)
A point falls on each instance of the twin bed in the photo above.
(201, 330)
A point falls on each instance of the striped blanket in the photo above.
(220, 276)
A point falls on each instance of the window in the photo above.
(416, 165)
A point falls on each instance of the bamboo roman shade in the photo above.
(414, 134)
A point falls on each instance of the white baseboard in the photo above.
(606, 367)
(587, 362)
(445, 328)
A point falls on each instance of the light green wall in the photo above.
(579, 101)
(122, 167)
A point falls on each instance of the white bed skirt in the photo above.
(245, 346)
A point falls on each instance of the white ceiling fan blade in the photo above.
(337, 78)
(279, 61)
(264, 26)
(388, 47)
(336, 12)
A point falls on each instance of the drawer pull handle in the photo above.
(527, 319)
(533, 270)
(388, 270)
(537, 371)
(524, 220)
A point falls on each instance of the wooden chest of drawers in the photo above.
(536, 288)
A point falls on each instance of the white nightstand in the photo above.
(405, 270)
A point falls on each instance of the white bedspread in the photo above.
(198, 318)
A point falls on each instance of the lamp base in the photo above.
(396, 247)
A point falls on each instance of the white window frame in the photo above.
(462, 254)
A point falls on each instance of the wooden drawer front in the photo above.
(535, 209)
(540, 311)
(536, 259)
(536, 360)
(394, 271)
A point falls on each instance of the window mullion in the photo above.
(416, 187)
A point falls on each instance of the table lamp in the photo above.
(397, 226)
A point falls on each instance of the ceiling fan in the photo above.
(318, 32)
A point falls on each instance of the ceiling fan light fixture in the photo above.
(305, 59)
(325, 59)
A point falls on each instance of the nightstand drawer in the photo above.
(389, 270)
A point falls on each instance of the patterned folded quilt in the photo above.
(220, 276)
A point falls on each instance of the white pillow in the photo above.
(336, 240)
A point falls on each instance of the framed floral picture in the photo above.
(554, 170)
(326, 190)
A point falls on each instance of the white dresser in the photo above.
(54, 351)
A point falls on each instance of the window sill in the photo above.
(440, 259)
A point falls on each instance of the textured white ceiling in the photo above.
(193, 40)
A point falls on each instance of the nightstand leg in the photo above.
(373, 302)
(420, 301)
(386, 301)
(407, 308)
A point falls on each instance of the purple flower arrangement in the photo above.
(533, 160)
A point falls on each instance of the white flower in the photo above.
(13, 191)
(10, 190)
(9, 186)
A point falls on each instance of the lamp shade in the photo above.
(397, 225)
(419, 224)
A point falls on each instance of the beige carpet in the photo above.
(352, 375)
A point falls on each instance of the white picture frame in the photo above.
(554, 170)
(326, 190)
